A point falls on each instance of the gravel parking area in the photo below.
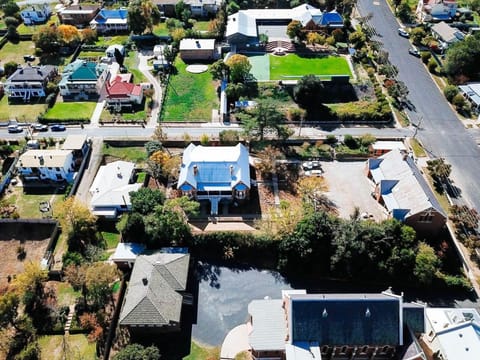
(349, 188)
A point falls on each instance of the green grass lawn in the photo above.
(200, 352)
(293, 66)
(111, 40)
(190, 97)
(66, 295)
(201, 26)
(131, 63)
(77, 347)
(28, 112)
(111, 238)
(14, 52)
(131, 153)
(161, 29)
(71, 110)
(27, 204)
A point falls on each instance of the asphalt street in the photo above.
(440, 131)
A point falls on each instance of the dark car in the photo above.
(28, 57)
(414, 52)
(57, 127)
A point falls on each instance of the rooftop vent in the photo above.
(324, 313)
(145, 281)
(195, 170)
(368, 313)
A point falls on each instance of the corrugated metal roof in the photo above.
(269, 325)
(44, 158)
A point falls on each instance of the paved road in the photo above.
(441, 132)
(177, 132)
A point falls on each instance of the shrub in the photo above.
(458, 101)
(10, 67)
(432, 65)
(204, 139)
(350, 142)
(229, 137)
(295, 114)
(450, 92)
(426, 56)
(11, 21)
(331, 139)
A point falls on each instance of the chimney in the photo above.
(145, 281)
(231, 169)
(195, 170)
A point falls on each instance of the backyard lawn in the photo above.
(65, 111)
(136, 154)
(28, 204)
(200, 352)
(293, 66)
(111, 40)
(76, 347)
(14, 52)
(28, 112)
(190, 97)
(131, 63)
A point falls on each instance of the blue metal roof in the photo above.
(330, 18)
(105, 14)
(346, 320)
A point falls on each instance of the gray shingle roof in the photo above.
(153, 297)
(32, 73)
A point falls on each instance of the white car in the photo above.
(316, 173)
(403, 33)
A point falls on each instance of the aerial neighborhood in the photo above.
(256, 180)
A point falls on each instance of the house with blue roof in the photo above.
(303, 326)
(110, 21)
(331, 20)
(83, 80)
(401, 188)
(215, 174)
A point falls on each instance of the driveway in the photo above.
(143, 66)
(349, 188)
(91, 170)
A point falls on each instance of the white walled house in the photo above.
(111, 189)
(36, 14)
(56, 165)
(29, 82)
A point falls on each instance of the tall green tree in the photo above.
(263, 118)
(462, 59)
(145, 200)
(142, 15)
(138, 352)
(294, 30)
(427, 264)
(308, 92)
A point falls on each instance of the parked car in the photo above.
(414, 52)
(28, 57)
(39, 127)
(14, 129)
(57, 127)
(403, 33)
(317, 173)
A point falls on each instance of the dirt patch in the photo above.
(11, 265)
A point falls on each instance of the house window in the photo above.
(426, 218)
(59, 177)
(240, 194)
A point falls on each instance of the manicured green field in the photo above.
(190, 97)
(27, 112)
(294, 67)
(75, 347)
(71, 111)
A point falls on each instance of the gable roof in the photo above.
(118, 87)
(111, 185)
(332, 19)
(32, 73)
(116, 16)
(216, 168)
(245, 21)
(447, 33)
(153, 297)
(402, 185)
(43, 158)
(339, 319)
(79, 9)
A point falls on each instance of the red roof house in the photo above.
(122, 93)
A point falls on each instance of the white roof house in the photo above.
(244, 22)
(215, 172)
(471, 92)
(401, 186)
(111, 189)
(195, 44)
(389, 145)
(56, 165)
(126, 253)
(453, 333)
(74, 142)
